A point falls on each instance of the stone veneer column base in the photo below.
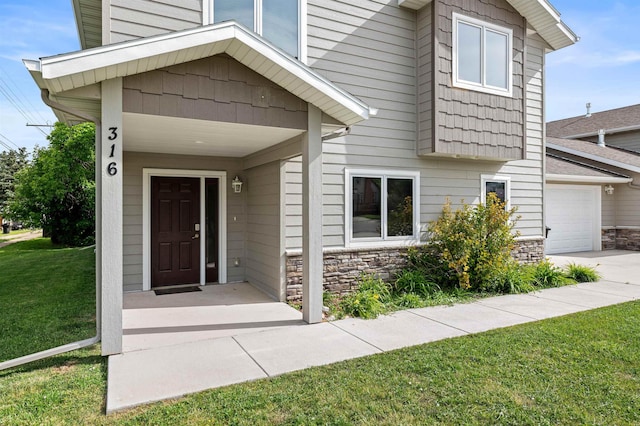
(343, 267)
(621, 239)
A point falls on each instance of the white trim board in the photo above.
(147, 173)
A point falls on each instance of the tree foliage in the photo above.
(57, 190)
(11, 162)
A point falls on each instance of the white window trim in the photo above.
(207, 19)
(500, 179)
(222, 221)
(384, 240)
(457, 82)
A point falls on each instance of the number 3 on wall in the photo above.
(112, 168)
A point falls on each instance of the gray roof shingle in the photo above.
(612, 119)
(558, 165)
(591, 149)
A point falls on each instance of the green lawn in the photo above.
(579, 369)
(47, 297)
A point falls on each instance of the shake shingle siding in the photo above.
(472, 123)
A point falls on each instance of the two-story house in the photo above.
(293, 143)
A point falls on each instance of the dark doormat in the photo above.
(177, 290)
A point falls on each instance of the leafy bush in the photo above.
(582, 273)
(414, 281)
(475, 241)
(515, 278)
(430, 263)
(546, 275)
(408, 301)
(369, 300)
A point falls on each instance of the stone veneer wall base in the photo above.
(343, 267)
(621, 239)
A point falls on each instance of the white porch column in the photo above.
(312, 264)
(109, 239)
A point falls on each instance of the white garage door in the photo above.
(573, 214)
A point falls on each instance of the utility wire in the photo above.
(20, 95)
(8, 140)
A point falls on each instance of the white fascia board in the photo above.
(219, 37)
(585, 179)
(593, 157)
(606, 132)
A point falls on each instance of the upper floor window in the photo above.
(276, 20)
(482, 56)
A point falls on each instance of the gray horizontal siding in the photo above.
(132, 19)
(626, 140)
(345, 47)
(265, 255)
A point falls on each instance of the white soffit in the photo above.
(78, 69)
(539, 13)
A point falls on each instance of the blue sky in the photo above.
(603, 68)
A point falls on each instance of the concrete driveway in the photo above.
(614, 265)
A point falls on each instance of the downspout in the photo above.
(93, 340)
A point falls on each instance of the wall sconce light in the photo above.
(236, 184)
(236, 262)
(608, 189)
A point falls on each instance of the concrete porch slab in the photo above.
(398, 330)
(151, 321)
(531, 306)
(172, 371)
(466, 317)
(295, 348)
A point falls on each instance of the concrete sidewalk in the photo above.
(14, 238)
(144, 376)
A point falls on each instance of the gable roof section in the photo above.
(612, 121)
(561, 169)
(615, 157)
(81, 69)
(543, 17)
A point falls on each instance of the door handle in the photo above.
(195, 237)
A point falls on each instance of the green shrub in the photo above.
(414, 281)
(546, 274)
(369, 300)
(515, 278)
(475, 241)
(430, 263)
(582, 273)
(408, 301)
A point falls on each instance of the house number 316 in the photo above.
(112, 168)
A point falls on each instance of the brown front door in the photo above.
(175, 231)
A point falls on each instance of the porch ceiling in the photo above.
(171, 135)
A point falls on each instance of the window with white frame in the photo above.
(382, 206)
(482, 56)
(276, 20)
(499, 185)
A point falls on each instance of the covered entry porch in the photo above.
(168, 105)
